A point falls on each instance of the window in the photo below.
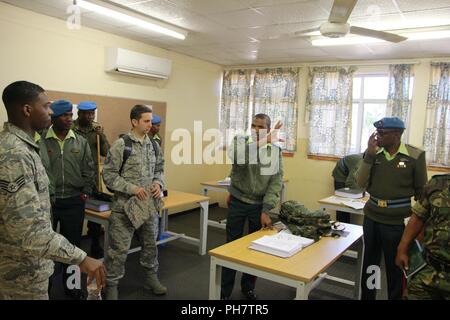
(370, 93)
(249, 92)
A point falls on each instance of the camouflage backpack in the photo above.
(303, 222)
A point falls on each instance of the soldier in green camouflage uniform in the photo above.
(433, 213)
(143, 169)
(89, 129)
(28, 243)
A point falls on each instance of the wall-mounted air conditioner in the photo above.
(137, 64)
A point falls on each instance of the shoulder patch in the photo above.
(414, 152)
(12, 187)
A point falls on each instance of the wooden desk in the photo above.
(173, 200)
(215, 186)
(303, 271)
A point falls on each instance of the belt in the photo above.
(398, 203)
(437, 264)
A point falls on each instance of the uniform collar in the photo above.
(51, 134)
(76, 126)
(135, 139)
(402, 149)
(267, 145)
(37, 137)
(18, 132)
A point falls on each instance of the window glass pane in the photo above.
(356, 87)
(354, 148)
(376, 87)
(411, 87)
(372, 113)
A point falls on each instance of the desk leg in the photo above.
(301, 293)
(215, 276)
(359, 270)
(204, 206)
(164, 220)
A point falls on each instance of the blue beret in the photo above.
(389, 123)
(156, 119)
(59, 107)
(87, 106)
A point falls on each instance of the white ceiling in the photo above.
(236, 32)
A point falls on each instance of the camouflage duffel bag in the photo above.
(303, 222)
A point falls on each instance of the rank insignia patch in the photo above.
(12, 187)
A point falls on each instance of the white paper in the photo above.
(281, 244)
(357, 205)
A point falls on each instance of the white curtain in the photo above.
(437, 128)
(329, 103)
(276, 95)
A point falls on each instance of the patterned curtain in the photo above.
(275, 94)
(235, 104)
(437, 128)
(329, 103)
(398, 102)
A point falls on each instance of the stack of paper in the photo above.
(97, 205)
(281, 244)
(357, 205)
(226, 181)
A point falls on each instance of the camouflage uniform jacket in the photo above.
(141, 169)
(27, 240)
(90, 135)
(256, 176)
(434, 209)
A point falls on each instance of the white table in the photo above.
(335, 203)
(173, 200)
(216, 186)
(303, 271)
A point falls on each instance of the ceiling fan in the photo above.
(337, 26)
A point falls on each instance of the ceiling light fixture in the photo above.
(119, 14)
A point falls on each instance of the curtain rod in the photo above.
(324, 64)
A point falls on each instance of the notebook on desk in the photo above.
(97, 205)
(350, 193)
(225, 182)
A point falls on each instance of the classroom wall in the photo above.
(41, 49)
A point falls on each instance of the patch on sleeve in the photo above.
(12, 187)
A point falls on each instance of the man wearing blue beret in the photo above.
(72, 171)
(89, 129)
(392, 173)
(154, 131)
